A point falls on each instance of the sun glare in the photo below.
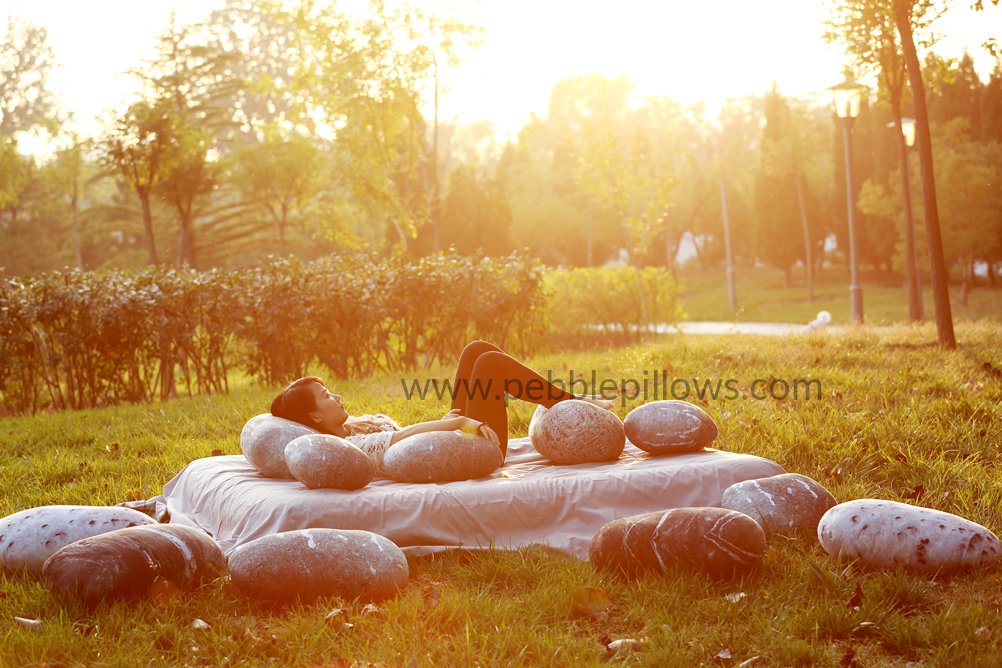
(691, 52)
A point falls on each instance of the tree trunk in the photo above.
(940, 287)
(186, 242)
(808, 263)
(436, 232)
(151, 244)
(75, 216)
(911, 261)
(968, 279)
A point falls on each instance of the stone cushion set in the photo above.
(577, 432)
(280, 448)
(732, 539)
(93, 554)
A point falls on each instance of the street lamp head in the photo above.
(907, 129)
(848, 97)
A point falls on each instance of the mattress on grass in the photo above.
(527, 501)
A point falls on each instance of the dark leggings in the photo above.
(485, 373)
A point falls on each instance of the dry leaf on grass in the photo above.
(625, 645)
(33, 624)
(587, 602)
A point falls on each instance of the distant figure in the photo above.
(822, 319)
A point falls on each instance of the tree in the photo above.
(869, 33)
(475, 215)
(905, 11)
(969, 196)
(25, 62)
(188, 176)
(281, 177)
(909, 17)
(68, 172)
(787, 221)
(991, 106)
(138, 149)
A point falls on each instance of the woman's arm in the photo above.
(460, 422)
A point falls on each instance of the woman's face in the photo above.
(328, 409)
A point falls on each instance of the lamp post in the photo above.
(905, 142)
(848, 97)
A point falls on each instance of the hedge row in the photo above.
(79, 339)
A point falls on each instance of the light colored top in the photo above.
(376, 443)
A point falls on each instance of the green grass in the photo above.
(762, 296)
(896, 412)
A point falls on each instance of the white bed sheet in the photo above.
(527, 501)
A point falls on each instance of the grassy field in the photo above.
(898, 419)
(762, 296)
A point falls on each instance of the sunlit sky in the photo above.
(696, 50)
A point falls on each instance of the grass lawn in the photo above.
(897, 418)
(762, 296)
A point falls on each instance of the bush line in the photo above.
(76, 339)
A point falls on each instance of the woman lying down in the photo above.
(481, 365)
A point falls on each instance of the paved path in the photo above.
(765, 328)
(762, 328)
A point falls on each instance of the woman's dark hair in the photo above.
(296, 401)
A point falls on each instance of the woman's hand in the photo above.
(453, 413)
(471, 426)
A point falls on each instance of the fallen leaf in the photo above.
(982, 634)
(33, 624)
(431, 598)
(864, 628)
(723, 655)
(114, 447)
(857, 599)
(589, 602)
(916, 492)
(217, 452)
(370, 609)
(625, 645)
(335, 615)
(200, 624)
(735, 597)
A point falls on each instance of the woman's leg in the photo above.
(495, 373)
(464, 369)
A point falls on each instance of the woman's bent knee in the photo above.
(479, 345)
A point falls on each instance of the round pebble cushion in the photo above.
(669, 427)
(714, 541)
(784, 504)
(890, 534)
(29, 537)
(326, 461)
(263, 440)
(311, 563)
(441, 456)
(125, 563)
(576, 432)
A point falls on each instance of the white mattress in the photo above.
(526, 501)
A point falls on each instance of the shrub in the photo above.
(75, 339)
(609, 303)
